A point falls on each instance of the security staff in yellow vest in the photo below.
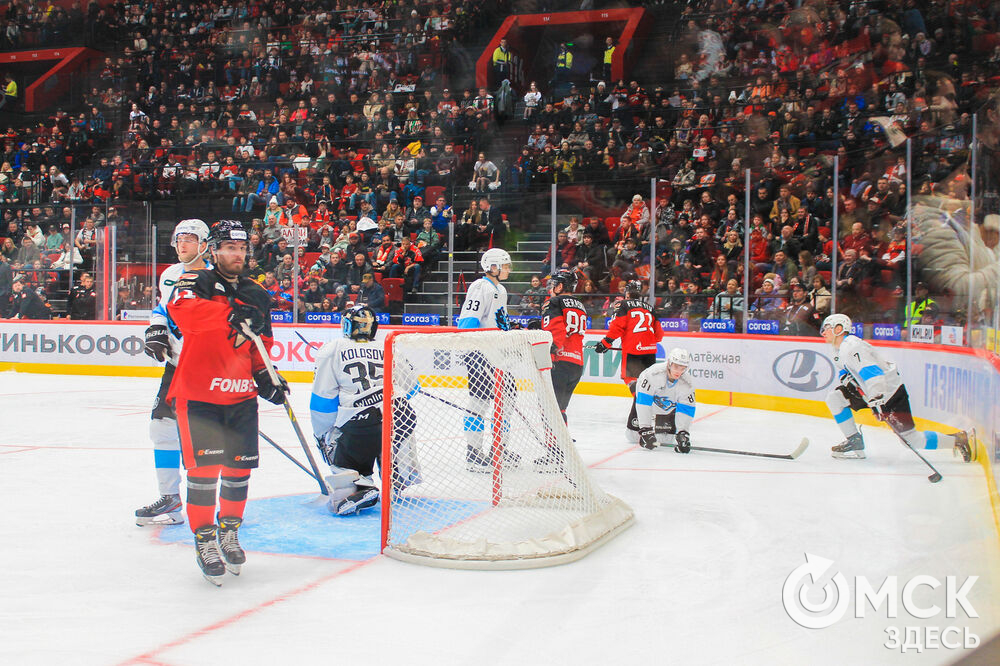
(502, 61)
(609, 54)
(564, 63)
(921, 304)
(9, 92)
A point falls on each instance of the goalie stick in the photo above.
(799, 450)
(287, 454)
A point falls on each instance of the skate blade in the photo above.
(163, 519)
(233, 569)
(849, 455)
(214, 580)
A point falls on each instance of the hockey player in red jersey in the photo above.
(564, 316)
(214, 392)
(633, 322)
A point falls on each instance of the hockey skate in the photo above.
(364, 498)
(229, 544)
(207, 555)
(965, 445)
(164, 511)
(550, 463)
(477, 461)
(853, 448)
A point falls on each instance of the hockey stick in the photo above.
(598, 344)
(288, 406)
(286, 454)
(799, 450)
(891, 422)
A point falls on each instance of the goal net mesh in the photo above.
(482, 471)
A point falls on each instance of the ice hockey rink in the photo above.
(697, 580)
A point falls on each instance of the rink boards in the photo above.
(949, 387)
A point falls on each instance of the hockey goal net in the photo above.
(479, 470)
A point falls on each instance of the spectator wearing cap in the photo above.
(921, 304)
(416, 213)
(371, 293)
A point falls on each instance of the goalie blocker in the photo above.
(516, 514)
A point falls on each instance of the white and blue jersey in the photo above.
(160, 315)
(657, 396)
(347, 385)
(485, 306)
(872, 373)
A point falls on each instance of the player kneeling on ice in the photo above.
(869, 381)
(346, 409)
(664, 403)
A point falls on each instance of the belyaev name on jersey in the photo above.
(373, 353)
(227, 385)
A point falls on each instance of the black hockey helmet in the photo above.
(224, 230)
(359, 323)
(633, 289)
(566, 278)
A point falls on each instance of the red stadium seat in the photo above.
(432, 193)
(393, 290)
(612, 224)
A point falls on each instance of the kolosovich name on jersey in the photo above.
(373, 353)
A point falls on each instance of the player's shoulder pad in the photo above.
(573, 302)
(328, 349)
(250, 291)
(201, 282)
(851, 344)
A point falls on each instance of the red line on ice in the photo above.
(253, 610)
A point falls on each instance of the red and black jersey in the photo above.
(566, 319)
(634, 323)
(216, 365)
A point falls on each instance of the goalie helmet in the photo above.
(192, 226)
(224, 230)
(835, 320)
(494, 257)
(633, 289)
(359, 323)
(679, 356)
(566, 279)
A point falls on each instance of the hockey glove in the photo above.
(603, 346)
(157, 342)
(554, 350)
(503, 323)
(248, 314)
(534, 325)
(326, 450)
(647, 439)
(274, 393)
(682, 442)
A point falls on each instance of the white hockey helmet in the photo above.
(494, 257)
(679, 356)
(835, 320)
(190, 226)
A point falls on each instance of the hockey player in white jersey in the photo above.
(869, 381)
(163, 343)
(486, 300)
(485, 307)
(664, 403)
(346, 410)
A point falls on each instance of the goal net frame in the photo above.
(587, 516)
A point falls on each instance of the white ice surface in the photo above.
(697, 580)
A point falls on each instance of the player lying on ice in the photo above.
(664, 403)
(867, 381)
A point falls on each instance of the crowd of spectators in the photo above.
(782, 91)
